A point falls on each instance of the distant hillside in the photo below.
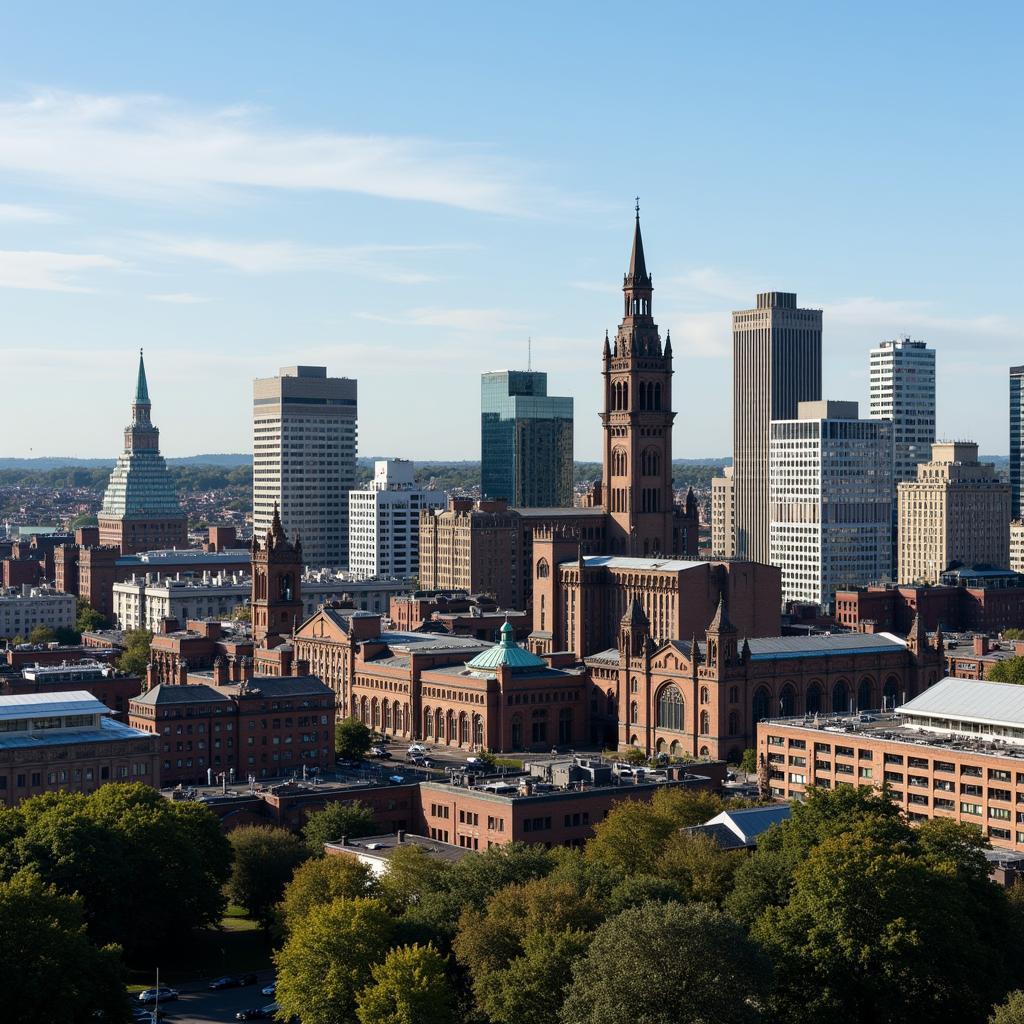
(60, 462)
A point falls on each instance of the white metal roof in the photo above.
(50, 705)
(638, 564)
(972, 700)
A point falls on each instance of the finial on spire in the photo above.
(141, 387)
(637, 207)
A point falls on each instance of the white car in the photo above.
(417, 748)
(167, 995)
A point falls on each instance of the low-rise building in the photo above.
(53, 742)
(102, 680)
(376, 851)
(261, 727)
(955, 751)
(24, 608)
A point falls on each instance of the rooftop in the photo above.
(973, 700)
(106, 731)
(641, 564)
(508, 655)
(50, 705)
(740, 829)
(382, 847)
(193, 693)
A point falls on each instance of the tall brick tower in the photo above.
(637, 480)
(276, 603)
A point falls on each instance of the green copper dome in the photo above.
(506, 654)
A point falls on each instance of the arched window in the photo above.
(761, 707)
(704, 752)
(812, 702)
(787, 700)
(841, 697)
(478, 730)
(660, 746)
(634, 685)
(670, 709)
(463, 728)
(634, 712)
(517, 732)
(734, 723)
(450, 733)
(734, 695)
(891, 692)
(864, 701)
(565, 736)
(705, 723)
(387, 715)
(657, 396)
(543, 569)
(704, 695)
(396, 717)
(610, 704)
(438, 724)
(376, 713)
(675, 748)
(365, 716)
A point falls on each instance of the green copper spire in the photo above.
(141, 388)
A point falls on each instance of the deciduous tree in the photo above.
(409, 986)
(352, 739)
(336, 821)
(321, 881)
(264, 860)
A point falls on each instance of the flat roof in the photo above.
(50, 705)
(106, 731)
(974, 700)
(384, 846)
(649, 564)
(763, 648)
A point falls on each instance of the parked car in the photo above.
(269, 990)
(247, 979)
(473, 761)
(255, 1013)
(380, 752)
(417, 748)
(417, 759)
(221, 983)
(166, 994)
(141, 1016)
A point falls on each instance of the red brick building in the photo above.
(52, 742)
(706, 697)
(102, 681)
(262, 727)
(195, 648)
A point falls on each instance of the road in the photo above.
(198, 1005)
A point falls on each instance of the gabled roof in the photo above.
(973, 700)
(732, 829)
(50, 705)
(193, 693)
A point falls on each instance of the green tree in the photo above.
(352, 739)
(412, 876)
(748, 762)
(87, 618)
(135, 656)
(67, 636)
(876, 929)
(638, 889)
(82, 519)
(51, 970)
(149, 871)
(265, 859)
(665, 963)
(242, 613)
(1013, 634)
(335, 821)
(696, 865)
(42, 635)
(318, 882)
(328, 958)
(409, 987)
(1010, 1011)
(1009, 671)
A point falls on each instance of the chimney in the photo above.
(182, 672)
(980, 645)
(220, 671)
(245, 673)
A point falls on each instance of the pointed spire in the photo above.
(607, 347)
(720, 623)
(637, 265)
(141, 387)
(635, 615)
(276, 529)
(668, 344)
(695, 650)
(745, 651)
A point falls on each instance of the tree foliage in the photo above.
(320, 881)
(88, 618)
(409, 986)
(1009, 671)
(148, 871)
(666, 963)
(352, 739)
(52, 971)
(1010, 1011)
(328, 959)
(264, 860)
(135, 656)
(335, 821)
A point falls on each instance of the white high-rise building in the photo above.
(830, 502)
(723, 514)
(384, 522)
(304, 438)
(903, 392)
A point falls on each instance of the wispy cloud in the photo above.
(269, 257)
(13, 213)
(179, 298)
(481, 321)
(895, 315)
(51, 271)
(135, 144)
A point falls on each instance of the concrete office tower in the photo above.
(525, 440)
(830, 501)
(1016, 441)
(903, 392)
(384, 522)
(776, 359)
(723, 514)
(956, 511)
(140, 510)
(304, 459)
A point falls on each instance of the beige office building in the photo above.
(304, 459)
(956, 511)
(1017, 545)
(776, 357)
(723, 515)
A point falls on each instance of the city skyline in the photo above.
(257, 212)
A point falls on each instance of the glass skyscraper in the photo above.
(1016, 440)
(525, 440)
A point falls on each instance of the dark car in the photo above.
(269, 990)
(247, 979)
(254, 1013)
(221, 983)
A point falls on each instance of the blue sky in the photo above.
(405, 193)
